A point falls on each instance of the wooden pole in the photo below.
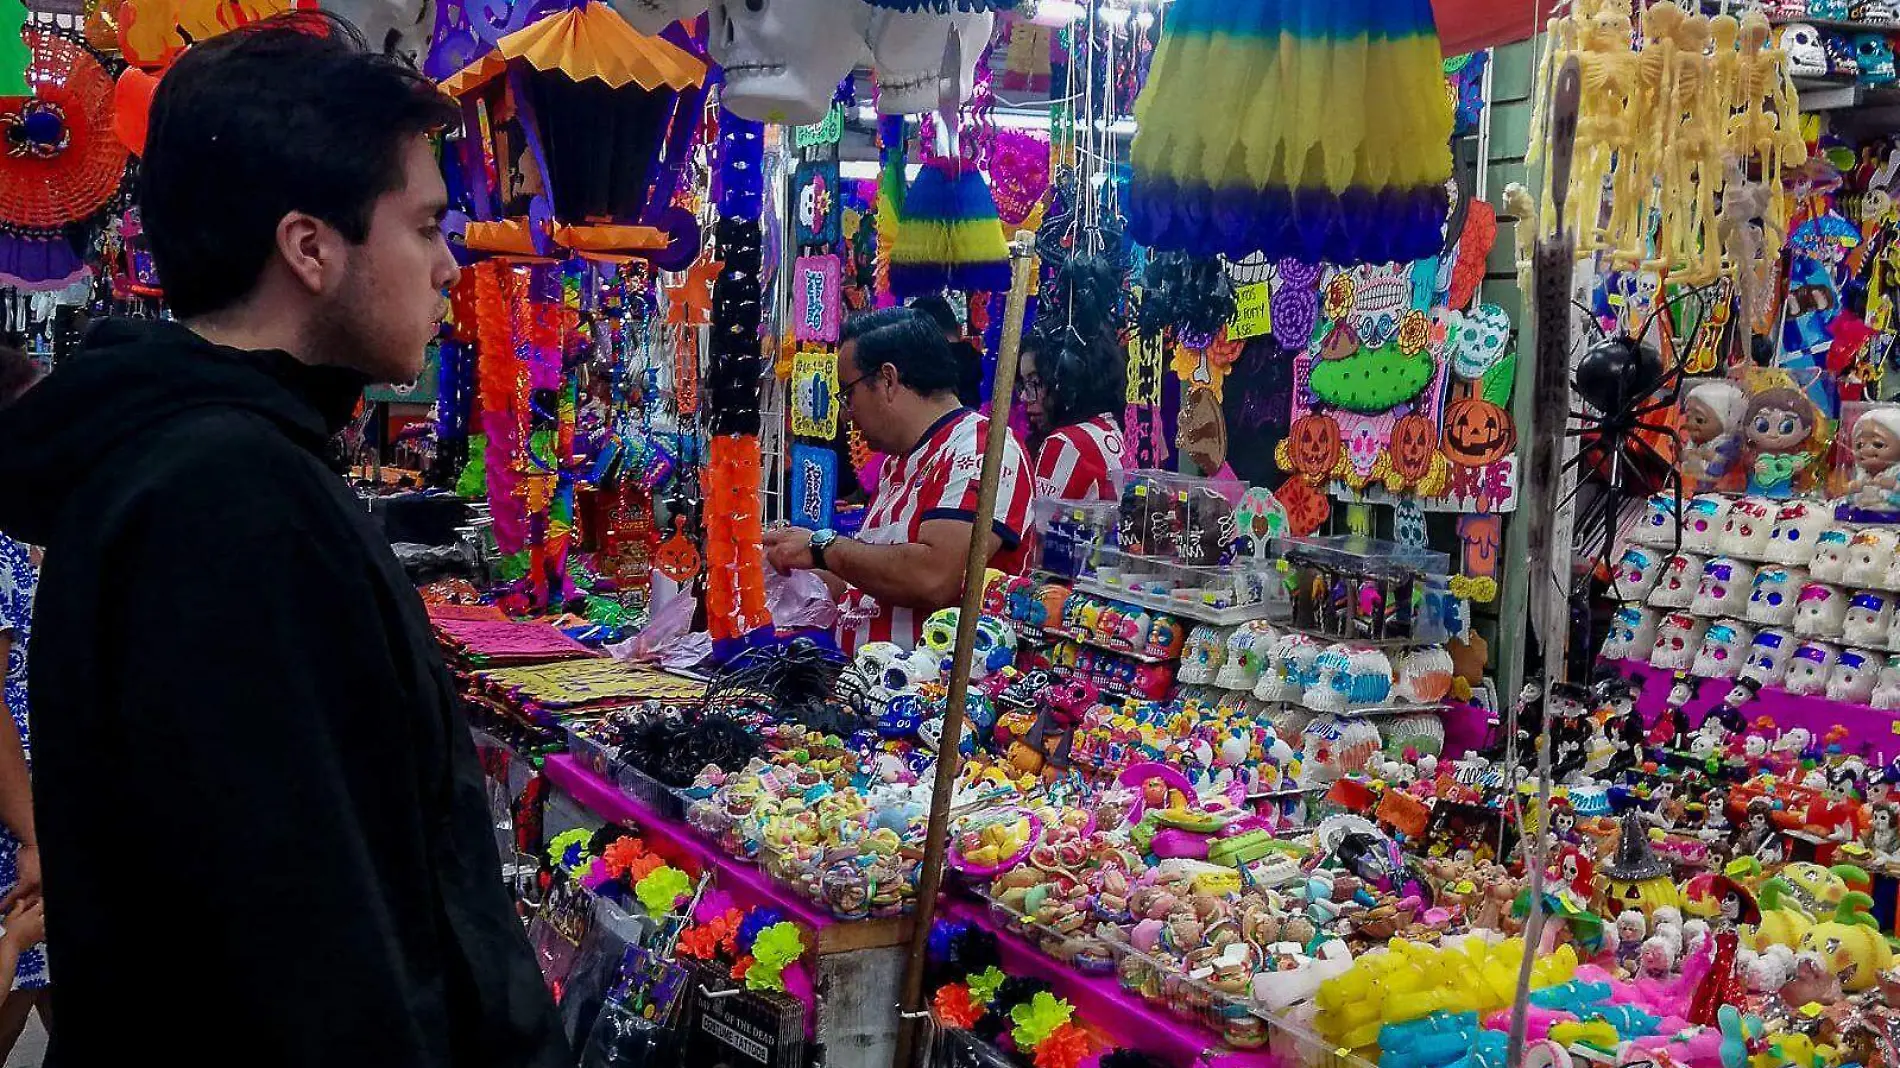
(1022, 254)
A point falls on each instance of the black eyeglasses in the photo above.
(844, 391)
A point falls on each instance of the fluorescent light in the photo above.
(867, 168)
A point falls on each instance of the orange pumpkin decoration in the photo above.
(1414, 444)
(1477, 432)
(1313, 444)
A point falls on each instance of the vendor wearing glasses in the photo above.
(1071, 386)
(898, 381)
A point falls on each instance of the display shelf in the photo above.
(1097, 643)
(1436, 708)
(1817, 714)
(1220, 617)
(746, 883)
(1376, 643)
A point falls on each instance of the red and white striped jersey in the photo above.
(1081, 462)
(938, 479)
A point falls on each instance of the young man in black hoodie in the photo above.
(263, 830)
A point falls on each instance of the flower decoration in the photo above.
(662, 890)
(1340, 292)
(1064, 1048)
(707, 940)
(956, 1008)
(597, 875)
(621, 855)
(1415, 332)
(569, 848)
(775, 948)
(1038, 1018)
(984, 984)
(746, 937)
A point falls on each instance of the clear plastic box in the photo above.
(1182, 517)
(1070, 534)
(1354, 587)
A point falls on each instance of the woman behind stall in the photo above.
(1072, 385)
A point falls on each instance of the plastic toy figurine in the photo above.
(1875, 485)
(1712, 413)
(1777, 427)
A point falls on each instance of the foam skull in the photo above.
(1869, 618)
(911, 51)
(1798, 528)
(1807, 57)
(1678, 636)
(1809, 669)
(1874, 55)
(1681, 574)
(1637, 572)
(1724, 587)
(1750, 526)
(1869, 555)
(1205, 653)
(1854, 677)
(1771, 599)
(1820, 610)
(783, 59)
(1632, 632)
(1659, 523)
(1767, 661)
(1702, 521)
(1830, 554)
(1723, 650)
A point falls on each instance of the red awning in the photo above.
(1468, 25)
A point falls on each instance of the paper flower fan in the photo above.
(59, 160)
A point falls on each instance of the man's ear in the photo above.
(305, 244)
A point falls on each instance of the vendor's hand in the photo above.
(26, 890)
(26, 925)
(789, 549)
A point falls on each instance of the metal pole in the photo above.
(1022, 253)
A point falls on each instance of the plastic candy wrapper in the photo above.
(799, 599)
(668, 639)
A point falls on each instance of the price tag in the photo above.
(1253, 314)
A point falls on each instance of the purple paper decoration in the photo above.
(817, 298)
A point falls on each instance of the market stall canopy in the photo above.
(1468, 25)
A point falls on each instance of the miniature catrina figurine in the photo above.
(1712, 414)
(1778, 426)
(1873, 493)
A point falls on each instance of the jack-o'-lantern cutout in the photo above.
(1306, 507)
(1414, 445)
(1477, 432)
(1312, 446)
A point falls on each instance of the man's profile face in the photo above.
(392, 297)
(865, 398)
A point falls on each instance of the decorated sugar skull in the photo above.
(1702, 521)
(1887, 688)
(1637, 572)
(1723, 650)
(1831, 549)
(1332, 746)
(1810, 668)
(995, 647)
(1749, 528)
(1854, 677)
(1874, 55)
(1820, 610)
(1869, 555)
(1632, 633)
(1247, 651)
(1807, 57)
(1678, 636)
(1768, 655)
(939, 634)
(1796, 534)
(1206, 651)
(1869, 618)
(1658, 526)
(1724, 588)
(1771, 598)
(1425, 674)
(1841, 62)
(1332, 682)
(1681, 574)
(1290, 666)
(894, 671)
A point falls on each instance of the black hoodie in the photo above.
(263, 830)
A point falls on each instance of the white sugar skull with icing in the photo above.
(1637, 572)
(1772, 596)
(1887, 688)
(1702, 521)
(1749, 528)
(1678, 636)
(1724, 587)
(1797, 532)
(1766, 663)
(1820, 611)
(1869, 618)
(1658, 526)
(1723, 650)
(1810, 668)
(1854, 677)
(1681, 574)
(1831, 549)
(1869, 556)
(1632, 633)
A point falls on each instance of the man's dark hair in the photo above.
(17, 372)
(1084, 374)
(937, 306)
(908, 340)
(290, 113)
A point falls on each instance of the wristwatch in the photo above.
(820, 541)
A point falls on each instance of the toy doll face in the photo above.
(1869, 614)
(1809, 669)
(1751, 522)
(1701, 422)
(1720, 656)
(1724, 587)
(1677, 638)
(1797, 526)
(1702, 522)
(1851, 680)
(1767, 659)
(1875, 447)
(1771, 598)
(1820, 611)
(1778, 430)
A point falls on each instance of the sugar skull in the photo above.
(1659, 524)
(1632, 633)
(892, 671)
(1702, 521)
(1810, 668)
(1724, 588)
(1830, 554)
(1771, 599)
(1876, 12)
(1332, 681)
(1290, 664)
(1869, 618)
(995, 647)
(1874, 56)
(1425, 674)
(1723, 650)
(1636, 573)
(1768, 657)
(1854, 677)
(1841, 61)
(1869, 555)
(1681, 574)
(1820, 610)
(1203, 654)
(939, 634)
(1887, 688)
(1749, 528)
(1678, 636)
(1247, 650)
(1165, 636)
(1797, 532)
(1807, 57)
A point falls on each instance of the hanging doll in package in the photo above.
(1873, 492)
(1712, 423)
(1778, 429)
